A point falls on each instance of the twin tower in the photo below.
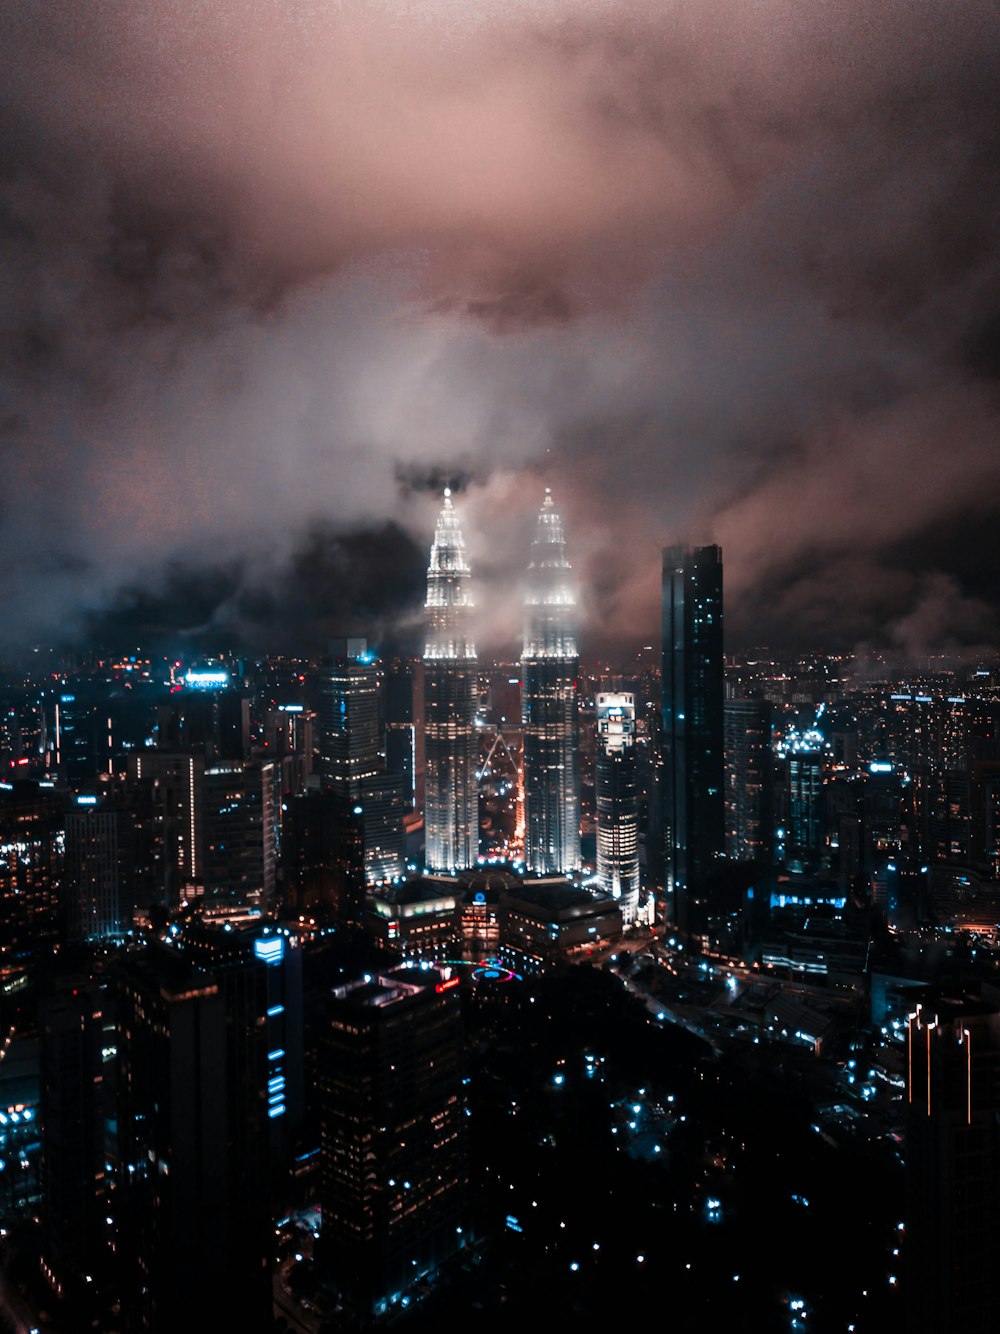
(548, 704)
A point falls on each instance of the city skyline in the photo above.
(718, 275)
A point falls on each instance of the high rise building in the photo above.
(32, 868)
(349, 716)
(179, 1214)
(352, 759)
(749, 781)
(260, 972)
(693, 732)
(212, 723)
(238, 821)
(400, 730)
(73, 1111)
(451, 809)
(323, 858)
(94, 900)
(549, 670)
(618, 802)
(952, 1227)
(806, 826)
(394, 1174)
(175, 801)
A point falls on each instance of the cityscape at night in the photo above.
(500, 667)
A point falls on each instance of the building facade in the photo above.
(749, 781)
(549, 671)
(618, 802)
(952, 1163)
(693, 731)
(451, 808)
(394, 1172)
(352, 759)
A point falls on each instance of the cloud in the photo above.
(721, 272)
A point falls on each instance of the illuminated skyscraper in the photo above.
(352, 759)
(549, 667)
(394, 1173)
(451, 810)
(693, 734)
(618, 803)
(348, 717)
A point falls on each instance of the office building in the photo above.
(32, 869)
(547, 922)
(394, 1174)
(353, 763)
(323, 858)
(952, 1223)
(400, 728)
(214, 724)
(168, 788)
(82, 733)
(349, 732)
(178, 1219)
(549, 671)
(73, 1109)
(97, 839)
(618, 802)
(260, 972)
(693, 733)
(238, 824)
(805, 836)
(451, 808)
(749, 781)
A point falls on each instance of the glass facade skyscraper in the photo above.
(451, 799)
(618, 802)
(349, 717)
(549, 668)
(352, 759)
(693, 730)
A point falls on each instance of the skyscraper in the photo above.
(32, 872)
(618, 802)
(549, 667)
(749, 781)
(238, 819)
(93, 895)
(693, 733)
(952, 1163)
(73, 1092)
(348, 716)
(451, 809)
(352, 759)
(394, 1190)
(180, 1200)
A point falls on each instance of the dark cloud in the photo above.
(274, 275)
(334, 583)
(414, 477)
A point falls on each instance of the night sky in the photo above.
(715, 270)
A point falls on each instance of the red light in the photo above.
(447, 986)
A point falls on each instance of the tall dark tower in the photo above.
(952, 1163)
(618, 802)
(394, 1174)
(693, 730)
(353, 763)
(549, 669)
(348, 717)
(451, 689)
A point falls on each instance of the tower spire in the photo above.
(451, 809)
